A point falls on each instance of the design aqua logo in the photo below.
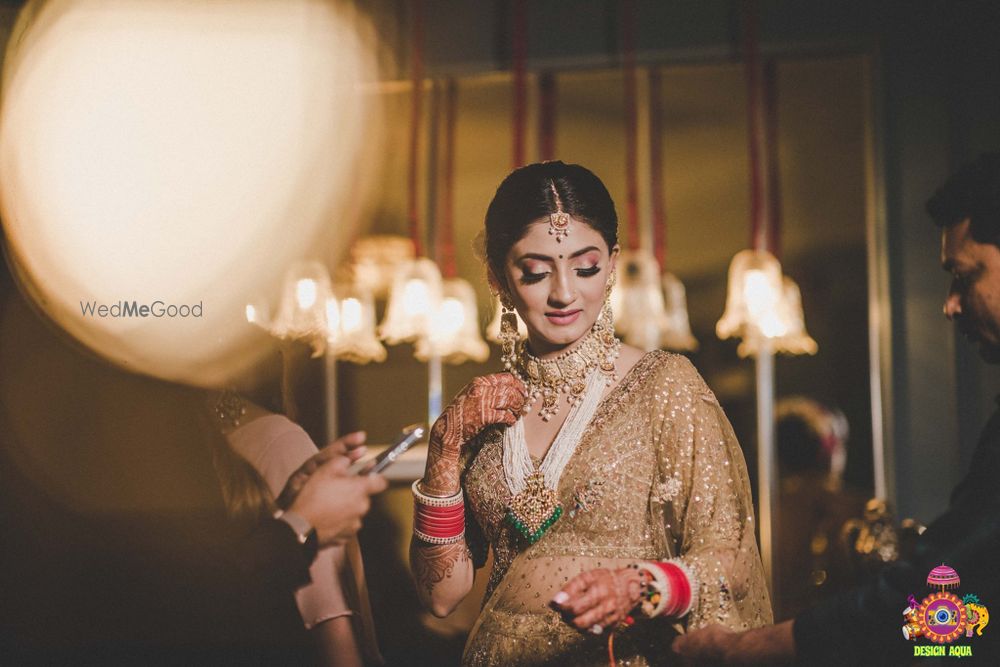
(943, 618)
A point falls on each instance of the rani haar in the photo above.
(581, 374)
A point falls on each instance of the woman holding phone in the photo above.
(262, 448)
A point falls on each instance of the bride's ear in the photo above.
(496, 286)
(613, 257)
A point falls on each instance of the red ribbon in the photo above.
(519, 54)
(547, 116)
(417, 81)
(758, 201)
(656, 169)
(627, 19)
(446, 242)
(773, 164)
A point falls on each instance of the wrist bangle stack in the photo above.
(438, 520)
(669, 588)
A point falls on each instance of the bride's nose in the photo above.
(562, 290)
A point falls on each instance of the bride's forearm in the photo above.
(443, 573)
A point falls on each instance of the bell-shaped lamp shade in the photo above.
(455, 333)
(414, 301)
(754, 300)
(302, 310)
(637, 301)
(376, 259)
(351, 326)
(675, 332)
(796, 339)
(493, 328)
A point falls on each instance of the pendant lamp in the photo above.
(675, 325)
(454, 336)
(455, 333)
(636, 300)
(302, 309)
(350, 316)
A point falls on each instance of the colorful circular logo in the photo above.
(942, 617)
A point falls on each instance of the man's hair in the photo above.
(972, 192)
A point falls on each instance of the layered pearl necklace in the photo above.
(583, 373)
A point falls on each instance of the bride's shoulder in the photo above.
(675, 370)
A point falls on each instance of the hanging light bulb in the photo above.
(455, 333)
(414, 301)
(675, 331)
(796, 340)
(637, 302)
(302, 311)
(493, 328)
(375, 260)
(351, 326)
(753, 302)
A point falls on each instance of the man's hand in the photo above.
(716, 645)
(334, 502)
(350, 446)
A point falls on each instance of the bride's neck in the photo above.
(544, 350)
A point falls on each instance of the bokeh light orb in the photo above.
(163, 162)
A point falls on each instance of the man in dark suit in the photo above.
(863, 626)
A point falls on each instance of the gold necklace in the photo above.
(567, 373)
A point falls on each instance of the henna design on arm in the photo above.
(432, 563)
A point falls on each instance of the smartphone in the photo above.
(406, 439)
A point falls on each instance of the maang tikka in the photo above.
(558, 221)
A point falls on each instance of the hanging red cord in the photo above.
(547, 116)
(446, 243)
(626, 18)
(773, 163)
(755, 129)
(656, 169)
(417, 83)
(519, 55)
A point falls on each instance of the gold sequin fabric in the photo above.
(658, 474)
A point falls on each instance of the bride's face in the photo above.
(558, 287)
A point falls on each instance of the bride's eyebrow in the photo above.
(546, 258)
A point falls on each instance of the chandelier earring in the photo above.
(509, 338)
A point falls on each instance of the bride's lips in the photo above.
(563, 317)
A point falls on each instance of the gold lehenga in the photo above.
(658, 474)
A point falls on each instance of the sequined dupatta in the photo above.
(658, 475)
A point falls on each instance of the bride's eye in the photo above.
(586, 273)
(528, 278)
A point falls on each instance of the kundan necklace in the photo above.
(567, 373)
(581, 373)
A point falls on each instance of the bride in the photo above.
(608, 482)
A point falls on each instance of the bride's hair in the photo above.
(530, 193)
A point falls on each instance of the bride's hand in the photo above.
(598, 599)
(489, 399)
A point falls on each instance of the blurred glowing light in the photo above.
(676, 330)
(305, 304)
(636, 300)
(763, 304)
(376, 259)
(413, 302)
(454, 335)
(351, 326)
(179, 151)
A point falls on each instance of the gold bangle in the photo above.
(436, 501)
